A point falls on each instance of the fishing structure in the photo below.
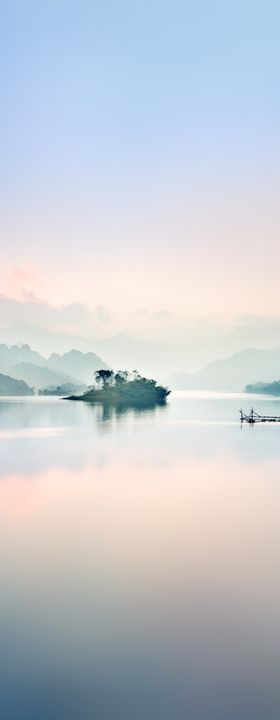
(254, 417)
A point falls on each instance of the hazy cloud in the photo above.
(180, 343)
(163, 315)
(102, 315)
(40, 312)
(20, 281)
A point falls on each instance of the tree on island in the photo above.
(102, 378)
(121, 377)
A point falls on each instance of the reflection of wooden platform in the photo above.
(254, 417)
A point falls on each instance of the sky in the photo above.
(140, 160)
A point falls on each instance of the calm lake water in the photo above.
(139, 561)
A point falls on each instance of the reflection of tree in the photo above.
(107, 412)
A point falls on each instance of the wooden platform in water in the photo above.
(254, 417)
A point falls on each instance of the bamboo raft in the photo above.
(254, 417)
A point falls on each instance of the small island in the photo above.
(124, 389)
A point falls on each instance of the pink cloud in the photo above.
(20, 282)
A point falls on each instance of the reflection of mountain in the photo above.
(23, 363)
(232, 373)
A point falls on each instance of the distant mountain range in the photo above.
(233, 373)
(170, 351)
(43, 338)
(23, 363)
(76, 364)
(120, 350)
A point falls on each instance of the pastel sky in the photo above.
(140, 155)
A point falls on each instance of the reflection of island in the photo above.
(122, 390)
(108, 413)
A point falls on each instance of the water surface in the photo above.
(139, 559)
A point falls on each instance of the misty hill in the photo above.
(10, 386)
(79, 365)
(120, 349)
(168, 350)
(23, 363)
(151, 356)
(44, 339)
(14, 354)
(261, 388)
(39, 376)
(64, 389)
(232, 373)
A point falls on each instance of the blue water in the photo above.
(139, 561)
